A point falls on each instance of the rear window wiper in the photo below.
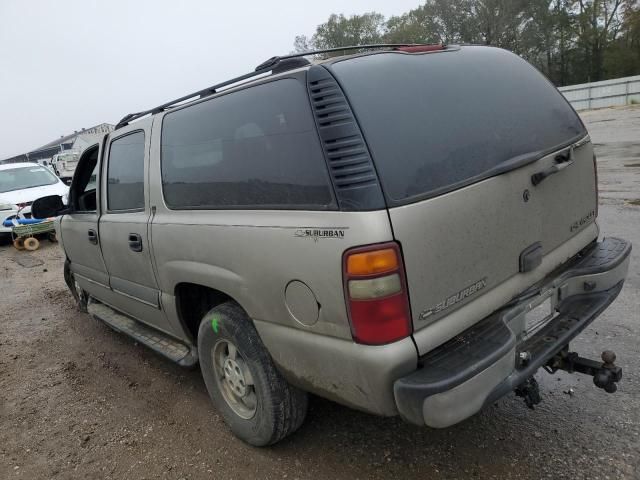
(512, 163)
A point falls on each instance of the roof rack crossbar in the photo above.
(264, 67)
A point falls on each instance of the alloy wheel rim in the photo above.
(234, 379)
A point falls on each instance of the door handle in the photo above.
(92, 236)
(562, 162)
(135, 242)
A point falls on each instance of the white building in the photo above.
(76, 142)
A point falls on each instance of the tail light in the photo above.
(595, 172)
(376, 294)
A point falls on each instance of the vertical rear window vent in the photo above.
(347, 155)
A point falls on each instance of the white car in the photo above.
(20, 185)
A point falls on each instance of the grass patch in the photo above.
(634, 201)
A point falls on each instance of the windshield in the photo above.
(437, 122)
(25, 177)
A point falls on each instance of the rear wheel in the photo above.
(257, 403)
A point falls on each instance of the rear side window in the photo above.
(436, 122)
(252, 148)
(125, 173)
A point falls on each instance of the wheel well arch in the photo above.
(193, 301)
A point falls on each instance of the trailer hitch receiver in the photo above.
(605, 375)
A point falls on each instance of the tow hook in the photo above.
(605, 375)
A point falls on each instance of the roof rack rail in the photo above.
(274, 60)
(265, 67)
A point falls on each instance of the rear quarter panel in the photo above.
(253, 255)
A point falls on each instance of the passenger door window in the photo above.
(125, 173)
(82, 193)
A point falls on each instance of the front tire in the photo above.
(79, 295)
(255, 400)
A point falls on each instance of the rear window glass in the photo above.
(435, 122)
(252, 148)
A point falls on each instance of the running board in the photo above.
(160, 342)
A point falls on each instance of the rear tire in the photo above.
(18, 243)
(255, 400)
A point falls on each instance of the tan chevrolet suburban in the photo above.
(407, 230)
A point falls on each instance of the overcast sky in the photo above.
(71, 64)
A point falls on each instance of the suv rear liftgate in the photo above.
(490, 184)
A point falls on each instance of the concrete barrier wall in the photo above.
(608, 93)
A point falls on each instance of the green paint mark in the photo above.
(214, 324)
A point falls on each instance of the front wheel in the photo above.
(79, 295)
(255, 400)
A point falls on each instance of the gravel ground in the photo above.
(80, 401)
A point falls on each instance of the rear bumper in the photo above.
(482, 364)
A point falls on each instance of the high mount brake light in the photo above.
(376, 294)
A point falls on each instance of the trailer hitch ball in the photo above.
(605, 375)
(609, 374)
(601, 380)
(609, 358)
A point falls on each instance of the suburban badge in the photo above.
(453, 299)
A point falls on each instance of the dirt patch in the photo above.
(28, 261)
(635, 202)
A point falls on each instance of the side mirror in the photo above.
(49, 206)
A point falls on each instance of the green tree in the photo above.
(599, 22)
(341, 31)
(571, 41)
(622, 57)
(302, 44)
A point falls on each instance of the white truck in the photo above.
(64, 165)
